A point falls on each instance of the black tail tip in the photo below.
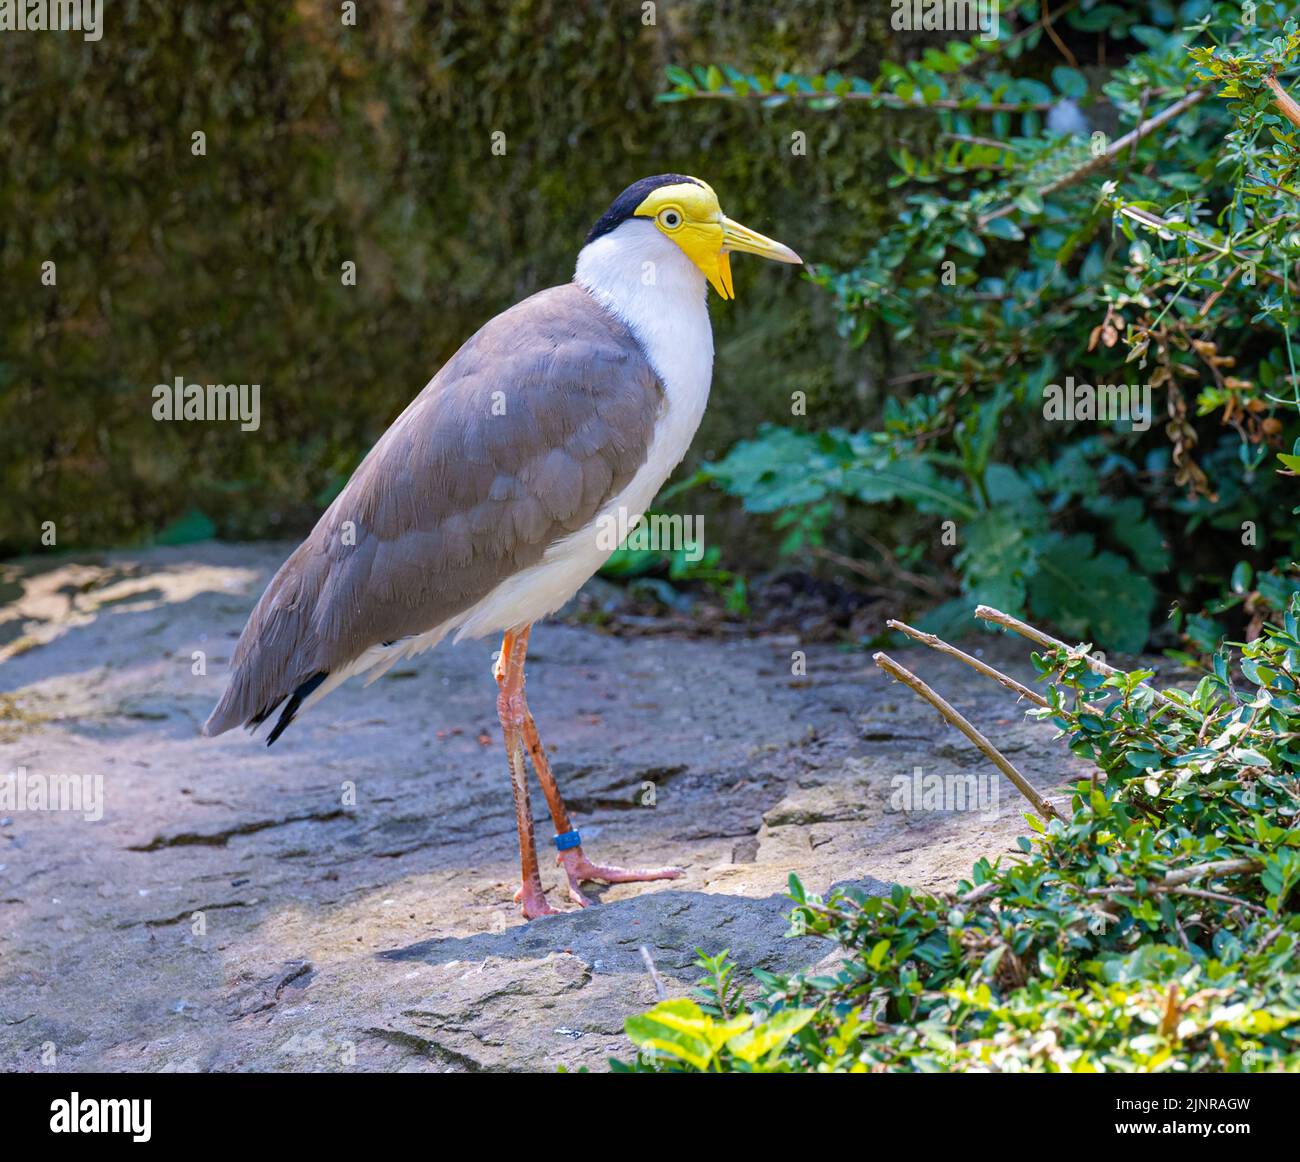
(302, 691)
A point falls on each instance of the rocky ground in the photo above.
(343, 899)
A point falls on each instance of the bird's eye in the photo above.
(670, 219)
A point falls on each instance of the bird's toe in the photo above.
(533, 903)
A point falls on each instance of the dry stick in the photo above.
(661, 993)
(937, 643)
(1038, 637)
(1286, 103)
(1177, 109)
(975, 895)
(897, 672)
(1175, 880)
(1218, 867)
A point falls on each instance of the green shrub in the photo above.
(1156, 928)
(373, 144)
(1026, 258)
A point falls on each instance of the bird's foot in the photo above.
(579, 869)
(532, 902)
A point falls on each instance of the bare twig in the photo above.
(1218, 867)
(937, 643)
(1286, 103)
(661, 993)
(1056, 40)
(899, 673)
(1038, 637)
(1116, 148)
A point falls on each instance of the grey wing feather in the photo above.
(456, 496)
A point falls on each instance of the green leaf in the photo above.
(1132, 528)
(771, 1036)
(1004, 228)
(1091, 596)
(680, 1029)
(1070, 82)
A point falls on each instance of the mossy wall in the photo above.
(372, 144)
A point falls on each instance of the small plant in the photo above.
(718, 992)
(714, 1034)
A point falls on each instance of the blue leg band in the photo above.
(569, 839)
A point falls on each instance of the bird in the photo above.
(481, 509)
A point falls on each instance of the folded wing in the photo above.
(521, 439)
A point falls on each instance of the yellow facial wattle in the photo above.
(690, 215)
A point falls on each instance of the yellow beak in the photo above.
(745, 241)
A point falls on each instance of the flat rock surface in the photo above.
(342, 901)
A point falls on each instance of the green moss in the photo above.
(327, 144)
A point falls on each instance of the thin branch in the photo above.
(1214, 298)
(899, 673)
(1218, 867)
(1286, 103)
(976, 894)
(853, 565)
(1221, 897)
(1157, 223)
(1037, 636)
(1056, 40)
(937, 643)
(661, 993)
(1175, 882)
(1103, 160)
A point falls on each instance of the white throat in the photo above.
(649, 283)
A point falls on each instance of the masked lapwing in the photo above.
(488, 502)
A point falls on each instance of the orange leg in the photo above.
(512, 713)
(577, 867)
